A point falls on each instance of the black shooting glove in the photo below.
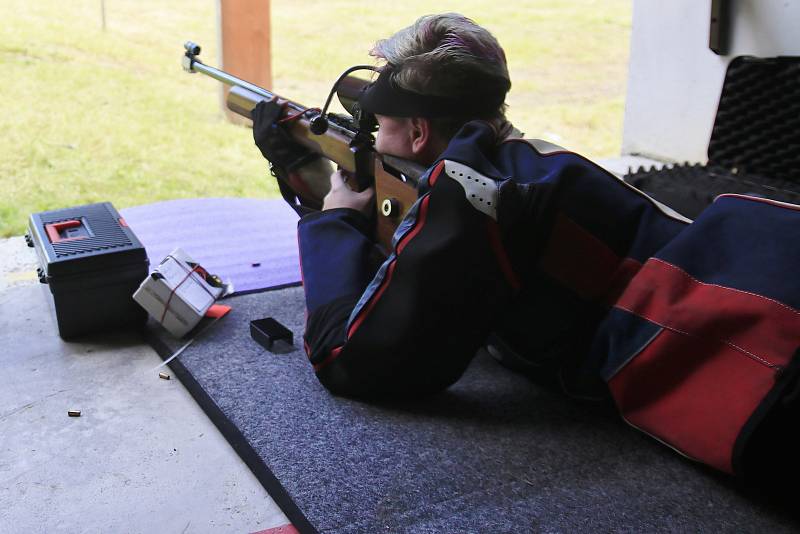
(284, 154)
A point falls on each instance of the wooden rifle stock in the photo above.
(333, 144)
(395, 180)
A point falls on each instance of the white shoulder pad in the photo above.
(482, 192)
(544, 147)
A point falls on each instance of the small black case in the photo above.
(92, 263)
(267, 331)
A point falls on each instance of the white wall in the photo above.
(675, 79)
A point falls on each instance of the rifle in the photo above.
(345, 140)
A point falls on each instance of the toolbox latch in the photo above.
(70, 230)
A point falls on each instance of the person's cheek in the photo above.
(387, 143)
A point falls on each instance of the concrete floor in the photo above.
(142, 457)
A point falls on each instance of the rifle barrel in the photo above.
(229, 79)
(342, 142)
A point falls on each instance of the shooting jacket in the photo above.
(691, 327)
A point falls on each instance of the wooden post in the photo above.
(244, 42)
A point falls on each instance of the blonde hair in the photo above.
(447, 55)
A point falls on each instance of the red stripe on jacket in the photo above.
(423, 213)
(584, 264)
(420, 222)
(496, 242)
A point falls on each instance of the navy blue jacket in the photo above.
(575, 272)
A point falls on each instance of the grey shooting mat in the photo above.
(493, 453)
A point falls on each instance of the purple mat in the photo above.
(252, 243)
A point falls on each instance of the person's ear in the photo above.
(420, 135)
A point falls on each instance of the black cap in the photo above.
(385, 97)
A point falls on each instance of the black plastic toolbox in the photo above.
(92, 263)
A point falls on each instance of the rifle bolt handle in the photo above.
(390, 207)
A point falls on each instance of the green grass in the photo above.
(90, 115)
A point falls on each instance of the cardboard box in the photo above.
(176, 293)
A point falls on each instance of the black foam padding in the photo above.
(689, 189)
(754, 147)
(757, 127)
(494, 453)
